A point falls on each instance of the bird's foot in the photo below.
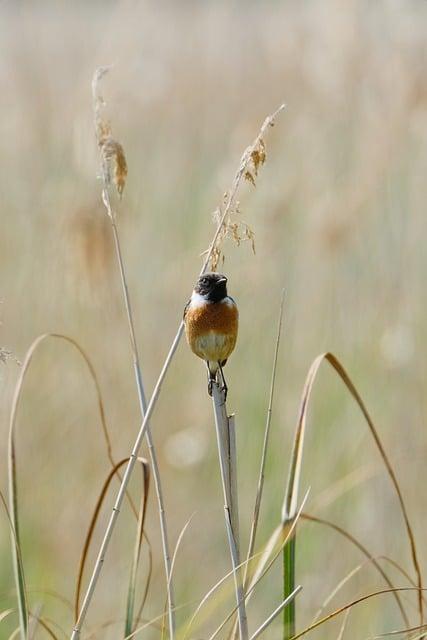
(224, 390)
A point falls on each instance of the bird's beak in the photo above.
(222, 280)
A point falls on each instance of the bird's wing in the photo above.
(186, 309)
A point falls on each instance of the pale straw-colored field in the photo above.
(339, 217)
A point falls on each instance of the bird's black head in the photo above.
(212, 286)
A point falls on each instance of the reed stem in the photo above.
(228, 465)
(151, 448)
(289, 587)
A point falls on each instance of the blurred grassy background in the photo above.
(340, 222)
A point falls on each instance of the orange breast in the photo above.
(211, 329)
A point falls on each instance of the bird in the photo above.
(211, 321)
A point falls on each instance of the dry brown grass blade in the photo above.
(152, 623)
(28, 358)
(130, 624)
(92, 525)
(401, 632)
(293, 481)
(147, 582)
(351, 604)
(340, 585)
(366, 553)
(404, 573)
(6, 613)
(58, 597)
(41, 621)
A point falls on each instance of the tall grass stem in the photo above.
(289, 587)
(151, 448)
(228, 464)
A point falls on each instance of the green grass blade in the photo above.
(18, 568)
(289, 588)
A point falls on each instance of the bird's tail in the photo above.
(212, 369)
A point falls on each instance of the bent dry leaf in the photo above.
(93, 521)
(365, 552)
(291, 495)
(130, 606)
(348, 606)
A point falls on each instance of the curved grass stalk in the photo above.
(400, 632)
(402, 571)
(366, 553)
(6, 613)
(28, 358)
(13, 492)
(94, 519)
(42, 622)
(152, 623)
(341, 584)
(347, 606)
(130, 606)
(291, 495)
(147, 584)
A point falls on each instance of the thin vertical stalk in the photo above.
(289, 587)
(151, 448)
(261, 476)
(228, 465)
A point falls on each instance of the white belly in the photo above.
(214, 347)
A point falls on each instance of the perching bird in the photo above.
(211, 322)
